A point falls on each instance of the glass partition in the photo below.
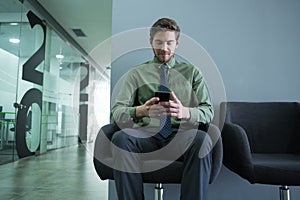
(40, 77)
(61, 93)
(10, 28)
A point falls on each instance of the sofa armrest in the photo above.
(237, 151)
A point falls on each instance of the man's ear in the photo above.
(177, 43)
(150, 41)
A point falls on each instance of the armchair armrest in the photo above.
(237, 151)
(217, 151)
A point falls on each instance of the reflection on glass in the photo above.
(61, 94)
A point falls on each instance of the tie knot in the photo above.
(164, 66)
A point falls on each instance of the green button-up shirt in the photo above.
(141, 82)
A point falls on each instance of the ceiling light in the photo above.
(14, 40)
(59, 56)
(14, 23)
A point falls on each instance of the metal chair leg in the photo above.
(284, 192)
(158, 195)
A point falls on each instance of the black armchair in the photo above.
(169, 174)
(261, 142)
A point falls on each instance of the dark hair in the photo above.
(164, 24)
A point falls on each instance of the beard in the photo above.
(163, 56)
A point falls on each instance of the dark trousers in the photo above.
(131, 146)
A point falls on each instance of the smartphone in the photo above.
(163, 96)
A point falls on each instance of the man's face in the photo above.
(164, 44)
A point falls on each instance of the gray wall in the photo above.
(255, 44)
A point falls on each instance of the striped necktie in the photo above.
(165, 121)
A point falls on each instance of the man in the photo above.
(188, 108)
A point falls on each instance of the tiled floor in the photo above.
(64, 174)
(68, 174)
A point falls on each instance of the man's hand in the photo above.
(174, 108)
(149, 109)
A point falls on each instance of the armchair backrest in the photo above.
(271, 127)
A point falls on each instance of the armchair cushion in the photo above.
(278, 169)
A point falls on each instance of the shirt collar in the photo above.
(170, 63)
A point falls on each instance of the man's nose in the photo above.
(164, 46)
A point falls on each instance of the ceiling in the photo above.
(93, 17)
